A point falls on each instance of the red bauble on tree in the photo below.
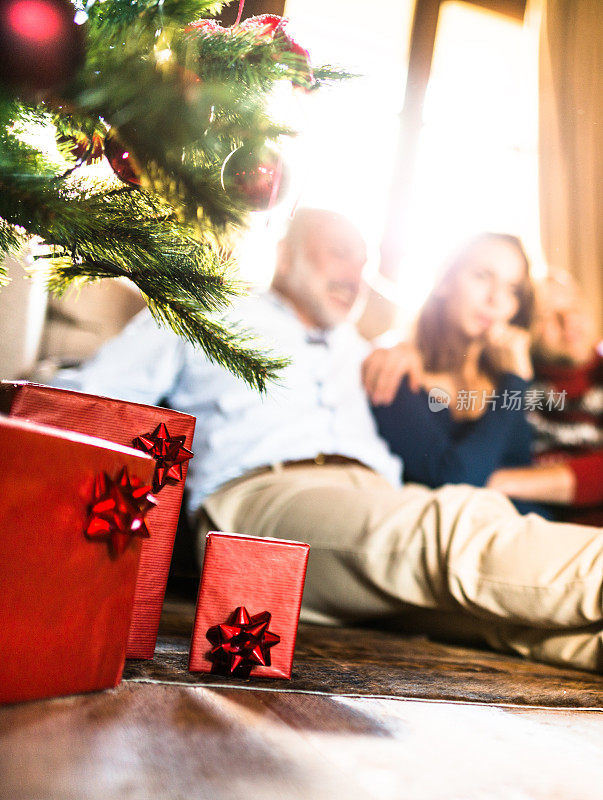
(256, 176)
(122, 161)
(41, 46)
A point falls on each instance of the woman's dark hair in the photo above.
(441, 348)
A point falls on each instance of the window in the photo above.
(476, 165)
(343, 157)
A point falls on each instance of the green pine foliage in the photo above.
(180, 99)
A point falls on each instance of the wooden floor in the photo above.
(165, 741)
(152, 742)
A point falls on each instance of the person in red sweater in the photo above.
(566, 409)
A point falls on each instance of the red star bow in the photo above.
(243, 641)
(118, 510)
(169, 453)
(267, 28)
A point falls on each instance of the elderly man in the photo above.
(305, 462)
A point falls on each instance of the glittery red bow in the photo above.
(118, 510)
(243, 641)
(271, 28)
(169, 453)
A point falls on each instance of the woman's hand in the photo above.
(509, 348)
(384, 369)
(540, 483)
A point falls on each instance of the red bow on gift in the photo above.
(169, 453)
(118, 510)
(243, 642)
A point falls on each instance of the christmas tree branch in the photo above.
(96, 227)
(227, 54)
(161, 115)
(10, 241)
(230, 347)
(110, 17)
(182, 278)
(327, 75)
(168, 97)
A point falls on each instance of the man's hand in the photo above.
(384, 369)
(509, 348)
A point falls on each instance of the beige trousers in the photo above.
(456, 561)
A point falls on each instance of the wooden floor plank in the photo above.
(162, 742)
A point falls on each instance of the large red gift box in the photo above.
(67, 587)
(248, 605)
(124, 423)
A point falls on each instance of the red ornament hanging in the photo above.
(258, 177)
(118, 510)
(41, 45)
(123, 162)
(168, 451)
(242, 642)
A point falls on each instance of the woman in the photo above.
(463, 417)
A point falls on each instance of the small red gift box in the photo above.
(130, 424)
(67, 574)
(248, 605)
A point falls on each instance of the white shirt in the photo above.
(318, 405)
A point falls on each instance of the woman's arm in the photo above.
(550, 483)
(578, 481)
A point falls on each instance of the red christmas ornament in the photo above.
(242, 642)
(41, 46)
(168, 451)
(123, 162)
(118, 510)
(256, 176)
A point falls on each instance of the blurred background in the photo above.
(467, 116)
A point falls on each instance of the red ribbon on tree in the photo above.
(118, 510)
(169, 453)
(242, 642)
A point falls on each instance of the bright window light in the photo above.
(476, 167)
(477, 159)
(343, 156)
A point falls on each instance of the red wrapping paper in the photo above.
(260, 575)
(66, 600)
(121, 422)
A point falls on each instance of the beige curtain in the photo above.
(571, 142)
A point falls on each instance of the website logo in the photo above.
(438, 399)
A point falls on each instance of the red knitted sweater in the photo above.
(572, 429)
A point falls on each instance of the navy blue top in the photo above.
(437, 449)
